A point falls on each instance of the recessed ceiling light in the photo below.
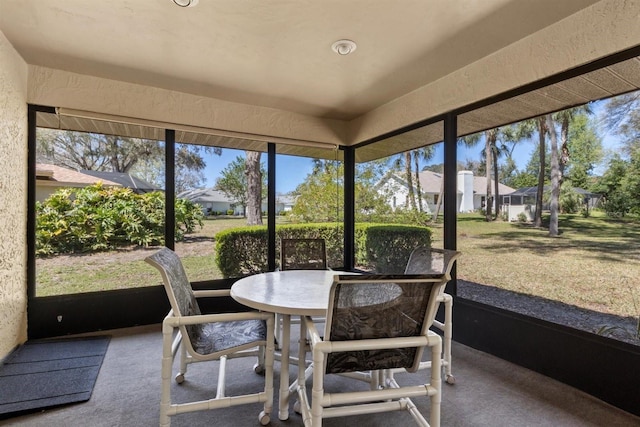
(185, 3)
(344, 47)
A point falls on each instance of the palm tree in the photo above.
(565, 117)
(555, 176)
(542, 152)
(404, 161)
(512, 136)
(426, 154)
(492, 152)
(559, 162)
(489, 135)
(411, 197)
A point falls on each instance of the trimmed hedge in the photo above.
(381, 248)
(385, 248)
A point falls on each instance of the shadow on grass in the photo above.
(606, 239)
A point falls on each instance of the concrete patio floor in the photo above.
(488, 392)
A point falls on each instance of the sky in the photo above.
(292, 170)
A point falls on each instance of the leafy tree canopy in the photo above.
(233, 181)
(585, 151)
(320, 198)
(112, 153)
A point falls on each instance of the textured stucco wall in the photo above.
(81, 92)
(13, 198)
(606, 27)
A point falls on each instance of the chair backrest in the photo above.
(303, 254)
(176, 284)
(426, 260)
(380, 306)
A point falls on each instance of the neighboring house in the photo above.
(471, 194)
(50, 178)
(126, 180)
(214, 201)
(523, 201)
(286, 201)
(211, 201)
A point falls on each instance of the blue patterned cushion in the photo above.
(212, 337)
(208, 337)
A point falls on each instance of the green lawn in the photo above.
(594, 263)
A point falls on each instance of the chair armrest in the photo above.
(212, 293)
(176, 321)
(312, 330)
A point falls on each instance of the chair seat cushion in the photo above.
(219, 336)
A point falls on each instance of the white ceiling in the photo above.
(275, 53)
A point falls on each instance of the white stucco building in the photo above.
(472, 190)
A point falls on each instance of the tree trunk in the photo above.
(411, 200)
(541, 131)
(564, 143)
(254, 188)
(418, 187)
(555, 177)
(488, 158)
(439, 202)
(496, 183)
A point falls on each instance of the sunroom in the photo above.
(262, 77)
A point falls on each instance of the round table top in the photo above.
(294, 292)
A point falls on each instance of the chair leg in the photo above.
(183, 363)
(317, 392)
(268, 352)
(278, 331)
(448, 333)
(283, 412)
(259, 367)
(222, 374)
(167, 365)
(436, 381)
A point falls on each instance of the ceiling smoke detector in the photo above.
(185, 3)
(344, 47)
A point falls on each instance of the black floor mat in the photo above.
(47, 373)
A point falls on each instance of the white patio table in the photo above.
(288, 293)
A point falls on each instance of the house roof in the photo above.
(287, 199)
(126, 180)
(205, 195)
(532, 191)
(431, 182)
(480, 186)
(57, 175)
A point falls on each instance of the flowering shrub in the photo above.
(98, 218)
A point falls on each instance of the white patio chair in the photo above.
(206, 337)
(375, 323)
(426, 260)
(300, 254)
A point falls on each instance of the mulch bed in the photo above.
(618, 327)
